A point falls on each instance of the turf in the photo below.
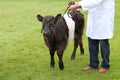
(23, 54)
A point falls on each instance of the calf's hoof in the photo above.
(61, 66)
(72, 57)
(52, 66)
(82, 52)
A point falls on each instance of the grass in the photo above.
(23, 54)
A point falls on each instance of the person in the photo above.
(100, 28)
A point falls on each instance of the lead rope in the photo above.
(68, 11)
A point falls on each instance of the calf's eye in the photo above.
(52, 26)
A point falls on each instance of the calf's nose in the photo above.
(46, 33)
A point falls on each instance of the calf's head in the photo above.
(47, 24)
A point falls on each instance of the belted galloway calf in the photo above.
(58, 30)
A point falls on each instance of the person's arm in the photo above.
(85, 4)
(89, 4)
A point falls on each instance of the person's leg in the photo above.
(93, 50)
(105, 51)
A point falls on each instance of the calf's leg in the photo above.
(76, 42)
(74, 50)
(52, 62)
(81, 46)
(60, 55)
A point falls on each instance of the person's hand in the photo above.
(71, 3)
(74, 6)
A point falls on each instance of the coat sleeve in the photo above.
(89, 4)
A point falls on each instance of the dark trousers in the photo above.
(94, 50)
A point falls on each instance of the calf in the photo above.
(58, 30)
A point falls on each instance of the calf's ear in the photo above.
(56, 18)
(40, 18)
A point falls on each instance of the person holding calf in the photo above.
(100, 28)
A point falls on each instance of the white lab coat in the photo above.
(100, 22)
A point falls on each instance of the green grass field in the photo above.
(23, 54)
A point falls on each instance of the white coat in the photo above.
(100, 22)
